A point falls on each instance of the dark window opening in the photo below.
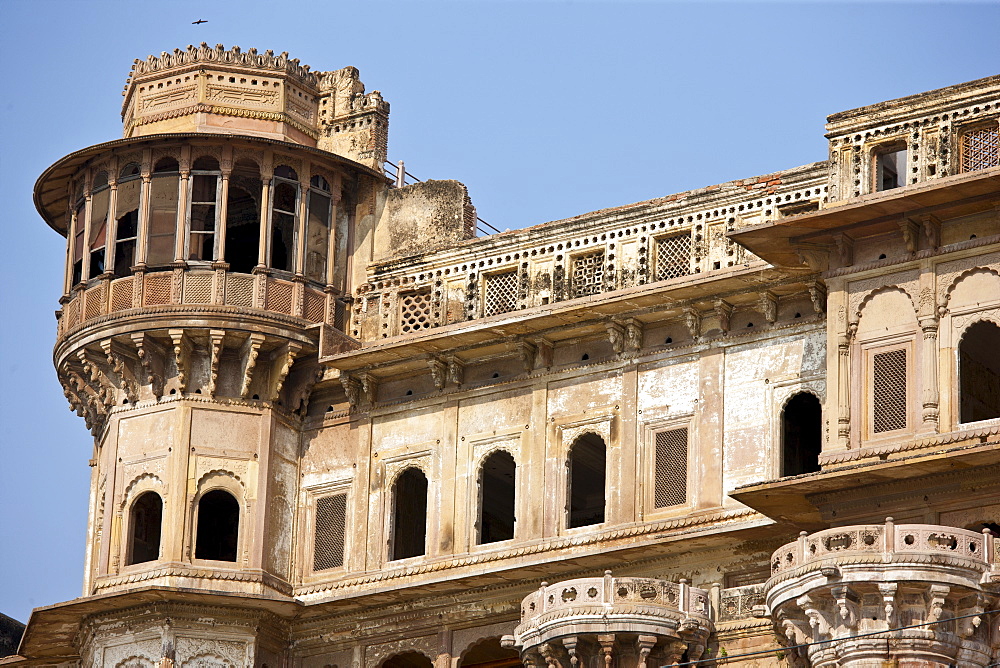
(890, 169)
(242, 230)
(97, 242)
(408, 660)
(127, 233)
(409, 534)
(490, 654)
(587, 469)
(145, 521)
(218, 526)
(979, 372)
(801, 435)
(496, 513)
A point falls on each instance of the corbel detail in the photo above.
(151, 358)
(616, 335)
(527, 352)
(768, 305)
(888, 591)
(935, 606)
(847, 606)
(911, 233)
(931, 227)
(692, 318)
(182, 356)
(216, 344)
(845, 250)
(817, 294)
(119, 360)
(352, 388)
(251, 350)
(724, 311)
(439, 371)
(286, 358)
(456, 370)
(369, 386)
(815, 256)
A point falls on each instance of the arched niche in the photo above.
(979, 372)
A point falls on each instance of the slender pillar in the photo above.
(220, 225)
(111, 233)
(68, 278)
(844, 391)
(929, 355)
(180, 238)
(263, 252)
(141, 252)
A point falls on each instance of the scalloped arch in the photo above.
(135, 661)
(877, 291)
(985, 316)
(223, 473)
(380, 661)
(476, 643)
(492, 450)
(797, 392)
(411, 465)
(966, 274)
(208, 655)
(591, 432)
(137, 481)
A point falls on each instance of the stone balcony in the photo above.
(633, 622)
(841, 587)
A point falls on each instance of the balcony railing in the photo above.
(219, 288)
(889, 540)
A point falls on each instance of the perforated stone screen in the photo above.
(328, 546)
(670, 484)
(673, 256)
(980, 149)
(414, 310)
(588, 274)
(501, 293)
(889, 391)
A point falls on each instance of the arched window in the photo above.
(97, 240)
(409, 515)
(587, 468)
(144, 524)
(203, 211)
(243, 217)
(218, 526)
(496, 504)
(284, 207)
(163, 204)
(801, 434)
(127, 218)
(979, 372)
(78, 239)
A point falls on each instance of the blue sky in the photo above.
(543, 109)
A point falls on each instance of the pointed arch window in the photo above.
(145, 525)
(409, 514)
(587, 475)
(497, 485)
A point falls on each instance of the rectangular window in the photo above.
(980, 148)
(331, 522)
(317, 235)
(204, 194)
(81, 226)
(162, 219)
(283, 216)
(588, 274)
(501, 293)
(890, 168)
(98, 230)
(414, 310)
(127, 227)
(670, 465)
(889, 391)
(673, 256)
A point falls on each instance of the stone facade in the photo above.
(333, 427)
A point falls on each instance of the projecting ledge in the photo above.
(790, 499)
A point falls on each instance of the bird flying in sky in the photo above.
(194, 23)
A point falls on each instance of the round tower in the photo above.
(207, 259)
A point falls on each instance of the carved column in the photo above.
(265, 218)
(844, 388)
(929, 354)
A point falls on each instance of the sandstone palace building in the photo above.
(755, 424)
